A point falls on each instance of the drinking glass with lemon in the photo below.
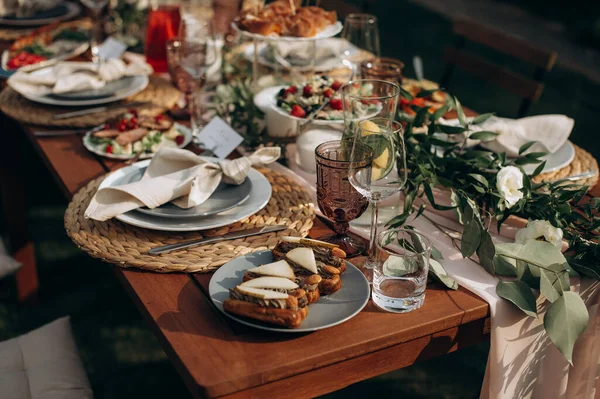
(369, 110)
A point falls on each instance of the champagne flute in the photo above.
(369, 109)
(96, 7)
(360, 30)
(197, 54)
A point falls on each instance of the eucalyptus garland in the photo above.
(486, 189)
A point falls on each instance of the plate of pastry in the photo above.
(280, 21)
(296, 287)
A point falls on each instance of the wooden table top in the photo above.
(218, 357)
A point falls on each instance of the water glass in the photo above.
(382, 68)
(96, 7)
(362, 31)
(197, 54)
(400, 274)
(369, 109)
(180, 78)
(337, 199)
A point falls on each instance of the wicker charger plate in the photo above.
(160, 91)
(127, 246)
(15, 32)
(583, 162)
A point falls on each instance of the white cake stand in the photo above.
(326, 33)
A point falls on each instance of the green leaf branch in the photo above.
(438, 157)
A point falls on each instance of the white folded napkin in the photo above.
(550, 131)
(301, 50)
(175, 175)
(67, 77)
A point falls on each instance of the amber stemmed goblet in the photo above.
(337, 198)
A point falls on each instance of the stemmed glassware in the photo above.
(362, 31)
(369, 110)
(337, 199)
(197, 54)
(96, 7)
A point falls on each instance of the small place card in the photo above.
(219, 137)
(111, 48)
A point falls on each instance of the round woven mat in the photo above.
(160, 92)
(127, 246)
(583, 162)
(8, 33)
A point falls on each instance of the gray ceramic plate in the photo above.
(259, 198)
(328, 311)
(225, 197)
(61, 12)
(120, 89)
(109, 90)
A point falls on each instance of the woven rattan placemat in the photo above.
(127, 246)
(583, 162)
(160, 92)
(8, 33)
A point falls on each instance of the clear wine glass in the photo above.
(360, 30)
(197, 54)
(369, 109)
(96, 7)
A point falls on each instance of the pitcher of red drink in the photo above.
(163, 24)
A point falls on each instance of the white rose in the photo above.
(537, 229)
(509, 183)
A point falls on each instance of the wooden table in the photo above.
(217, 357)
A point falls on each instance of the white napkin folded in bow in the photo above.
(67, 77)
(175, 175)
(550, 131)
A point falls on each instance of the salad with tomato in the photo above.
(45, 43)
(301, 101)
(132, 133)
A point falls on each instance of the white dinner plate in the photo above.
(322, 64)
(96, 149)
(328, 32)
(224, 198)
(561, 158)
(328, 311)
(62, 12)
(259, 198)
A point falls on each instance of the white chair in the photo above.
(43, 364)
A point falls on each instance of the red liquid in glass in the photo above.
(163, 24)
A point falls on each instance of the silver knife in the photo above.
(229, 236)
(104, 108)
